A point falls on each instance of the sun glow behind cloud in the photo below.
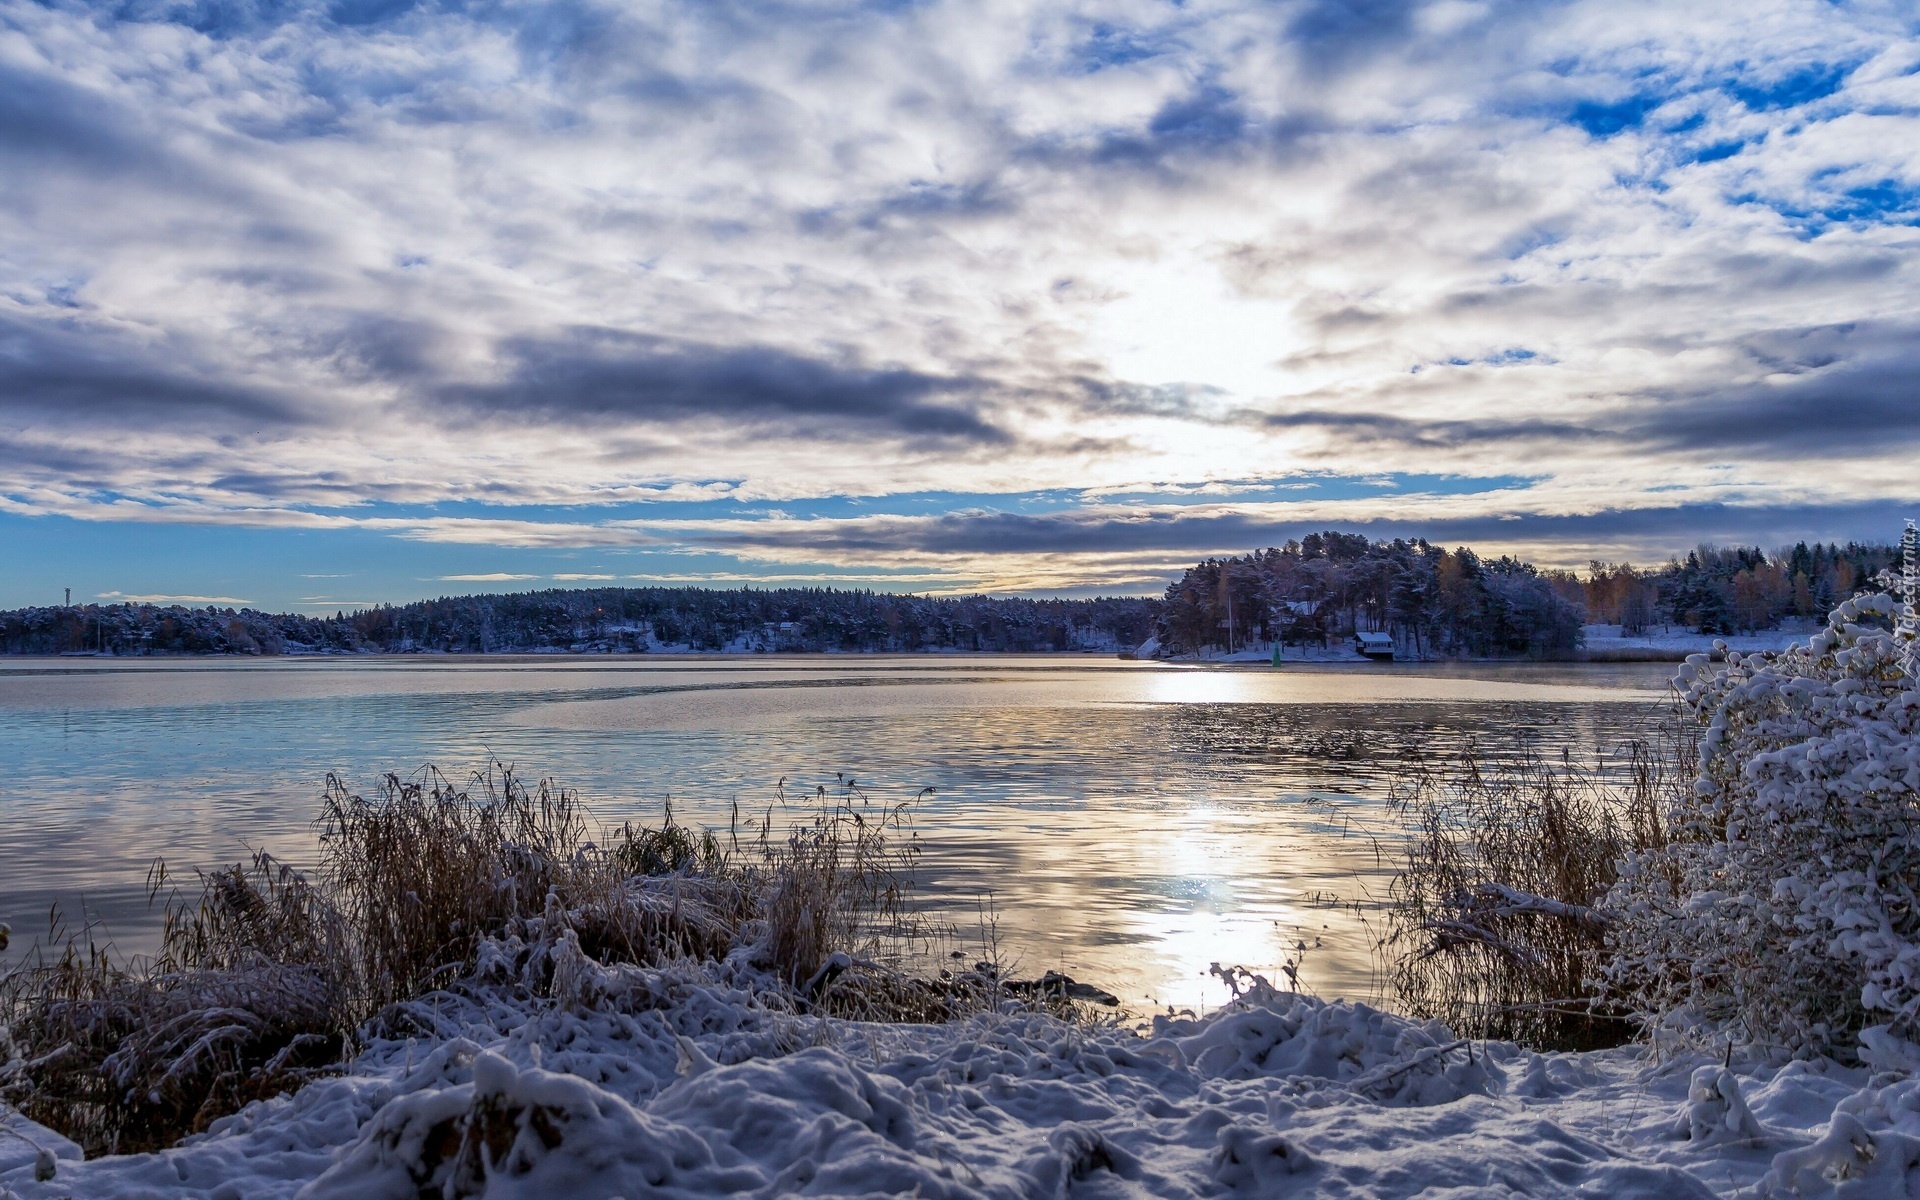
(1180, 322)
(564, 279)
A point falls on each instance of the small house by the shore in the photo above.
(1374, 643)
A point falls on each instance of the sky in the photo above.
(315, 304)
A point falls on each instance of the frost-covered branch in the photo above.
(1496, 900)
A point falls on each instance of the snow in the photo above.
(1606, 643)
(678, 1083)
(34, 1149)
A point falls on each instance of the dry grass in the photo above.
(838, 881)
(267, 976)
(1493, 922)
(128, 1057)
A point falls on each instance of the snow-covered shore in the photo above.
(672, 1082)
(1599, 643)
(1606, 643)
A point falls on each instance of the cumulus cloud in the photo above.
(341, 264)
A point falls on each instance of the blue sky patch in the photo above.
(1716, 152)
(1804, 86)
(1209, 116)
(1888, 201)
(1603, 119)
(1111, 46)
(1884, 202)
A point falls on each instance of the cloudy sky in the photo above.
(315, 304)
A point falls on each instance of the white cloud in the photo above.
(785, 578)
(159, 598)
(489, 577)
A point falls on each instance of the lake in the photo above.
(1131, 822)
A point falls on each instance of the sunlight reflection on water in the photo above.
(1133, 823)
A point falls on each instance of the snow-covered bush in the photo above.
(1782, 910)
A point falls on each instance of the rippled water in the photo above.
(1132, 822)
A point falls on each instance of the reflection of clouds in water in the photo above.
(1130, 844)
(781, 696)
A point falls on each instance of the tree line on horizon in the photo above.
(1317, 590)
(603, 620)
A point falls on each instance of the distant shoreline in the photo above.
(1600, 644)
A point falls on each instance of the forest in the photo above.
(1314, 591)
(602, 620)
(1442, 603)
(1456, 603)
(1730, 589)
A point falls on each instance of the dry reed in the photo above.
(1494, 924)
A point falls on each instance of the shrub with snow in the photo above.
(1783, 909)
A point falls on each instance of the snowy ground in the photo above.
(1605, 642)
(664, 1083)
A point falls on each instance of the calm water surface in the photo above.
(1132, 822)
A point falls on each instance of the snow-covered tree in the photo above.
(1782, 909)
